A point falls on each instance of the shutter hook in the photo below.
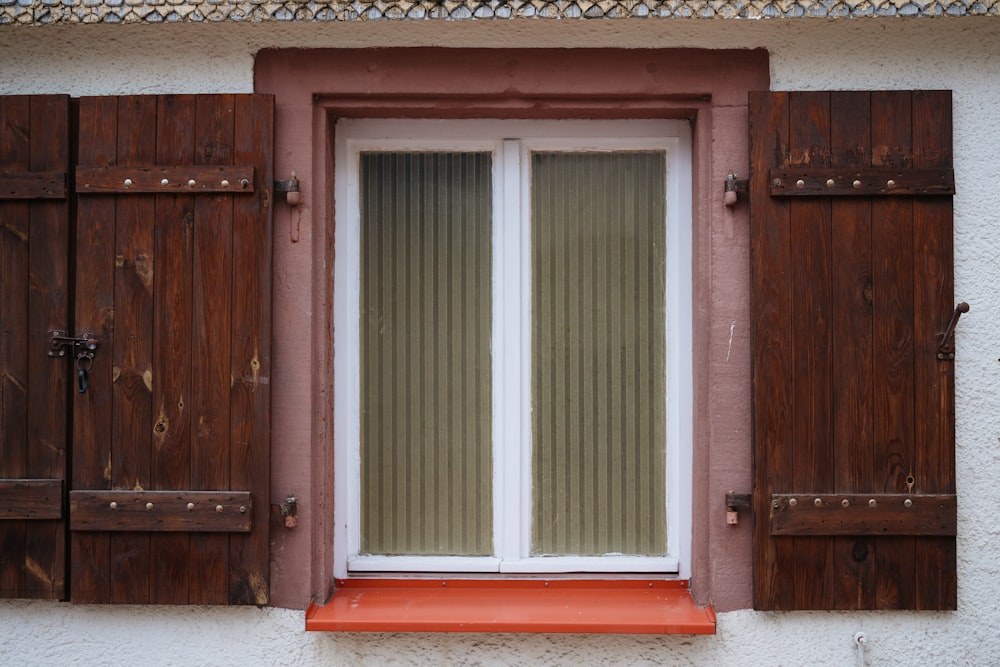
(946, 345)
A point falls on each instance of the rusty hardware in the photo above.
(291, 189)
(289, 510)
(734, 501)
(85, 345)
(59, 341)
(946, 345)
(733, 188)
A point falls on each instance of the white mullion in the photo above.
(524, 338)
(506, 364)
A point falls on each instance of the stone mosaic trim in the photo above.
(34, 12)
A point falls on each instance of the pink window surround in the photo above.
(313, 88)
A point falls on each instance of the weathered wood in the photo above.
(771, 312)
(90, 555)
(251, 347)
(160, 511)
(33, 185)
(853, 560)
(165, 179)
(863, 514)
(34, 267)
(178, 293)
(830, 182)
(849, 397)
(208, 560)
(31, 499)
(934, 299)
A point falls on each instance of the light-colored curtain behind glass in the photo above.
(425, 347)
(598, 353)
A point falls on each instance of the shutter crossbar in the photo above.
(31, 499)
(186, 179)
(863, 514)
(160, 511)
(812, 182)
(33, 185)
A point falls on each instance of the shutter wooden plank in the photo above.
(208, 563)
(892, 251)
(45, 548)
(810, 238)
(772, 355)
(34, 238)
(94, 298)
(173, 291)
(134, 374)
(251, 351)
(850, 140)
(869, 287)
(933, 300)
(15, 233)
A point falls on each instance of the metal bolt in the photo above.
(113, 505)
(244, 183)
(800, 184)
(830, 182)
(872, 503)
(128, 182)
(793, 502)
(164, 182)
(775, 504)
(218, 508)
(890, 183)
(191, 183)
(907, 503)
(224, 183)
(856, 184)
(776, 182)
(817, 502)
(243, 509)
(845, 503)
(190, 506)
(149, 506)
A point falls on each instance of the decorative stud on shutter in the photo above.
(34, 266)
(169, 500)
(852, 291)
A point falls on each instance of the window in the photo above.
(512, 346)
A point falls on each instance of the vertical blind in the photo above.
(426, 271)
(598, 353)
(598, 267)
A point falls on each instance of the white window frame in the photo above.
(510, 344)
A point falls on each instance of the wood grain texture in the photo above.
(866, 409)
(184, 179)
(161, 511)
(34, 274)
(90, 554)
(31, 499)
(165, 422)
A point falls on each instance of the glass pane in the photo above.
(598, 353)
(426, 460)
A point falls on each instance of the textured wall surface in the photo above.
(960, 54)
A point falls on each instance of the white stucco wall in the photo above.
(960, 54)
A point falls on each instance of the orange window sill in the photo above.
(578, 606)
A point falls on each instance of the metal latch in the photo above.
(59, 341)
(946, 344)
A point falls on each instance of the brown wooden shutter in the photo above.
(169, 500)
(853, 397)
(34, 265)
